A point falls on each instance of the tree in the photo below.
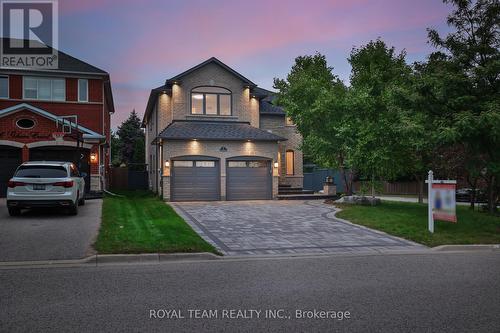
(314, 98)
(380, 85)
(466, 87)
(130, 147)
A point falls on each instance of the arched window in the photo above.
(211, 101)
(290, 163)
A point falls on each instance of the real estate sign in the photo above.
(441, 203)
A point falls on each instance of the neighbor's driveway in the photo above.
(282, 227)
(48, 234)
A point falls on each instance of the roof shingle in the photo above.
(212, 130)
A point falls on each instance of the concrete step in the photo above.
(300, 191)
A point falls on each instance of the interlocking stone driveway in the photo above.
(283, 227)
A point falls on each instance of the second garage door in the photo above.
(195, 180)
(248, 180)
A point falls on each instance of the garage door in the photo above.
(10, 158)
(248, 180)
(195, 180)
(80, 157)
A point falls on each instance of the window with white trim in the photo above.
(83, 90)
(4, 87)
(211, 101)
(43, 88)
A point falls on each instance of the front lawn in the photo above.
(142, 223)
(409, 221)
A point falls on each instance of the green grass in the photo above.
(142, 223)
(409, 221)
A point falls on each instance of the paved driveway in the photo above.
(283, 227)
(48, 234)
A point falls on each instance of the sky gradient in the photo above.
(143, 42)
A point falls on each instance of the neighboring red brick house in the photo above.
(61, 114)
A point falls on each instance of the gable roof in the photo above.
(67, 63)
(216, 130)
(210, 61)
(88, 133)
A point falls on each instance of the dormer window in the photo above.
(212, 101)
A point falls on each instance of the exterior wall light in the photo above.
(93, 157)
(167, 164)
(276, 165)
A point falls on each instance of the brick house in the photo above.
(212, 134)
(61, 114)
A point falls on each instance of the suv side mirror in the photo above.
(83, 174)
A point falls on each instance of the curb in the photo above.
(109, 259)
(472, 247)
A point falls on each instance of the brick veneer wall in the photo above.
(276, 124)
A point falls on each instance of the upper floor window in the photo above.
(211, 101)
(4, 87)
(83, 90)
(43, 88)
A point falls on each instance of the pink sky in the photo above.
(142, 43)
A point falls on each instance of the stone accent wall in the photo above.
(95, 182)
(276, 125)
(173, 149)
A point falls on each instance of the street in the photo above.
(435, 292)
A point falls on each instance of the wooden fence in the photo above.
(393, 188)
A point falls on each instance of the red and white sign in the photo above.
(443, 202)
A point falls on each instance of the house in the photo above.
(61, 114)
(212, 134)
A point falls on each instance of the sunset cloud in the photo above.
(141, 43)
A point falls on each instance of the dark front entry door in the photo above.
(195, 180)
(79, 156)
(248, 180)
(10, 159)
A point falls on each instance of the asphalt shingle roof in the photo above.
(268, 108)
(211, 130)
(67, 63)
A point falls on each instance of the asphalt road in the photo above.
(444, 292)
(48, 234)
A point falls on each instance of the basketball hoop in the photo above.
(58, 136)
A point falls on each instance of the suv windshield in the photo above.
(41, 171)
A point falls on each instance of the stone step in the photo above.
(315, 196)
(293, 191)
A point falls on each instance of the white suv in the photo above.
(46, 184)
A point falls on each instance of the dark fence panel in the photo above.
(394, 188)
(137, 180)
(314, 180)
(119, 178)
(125, 178)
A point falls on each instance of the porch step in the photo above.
(293, 190)
(284, 186)
(314, 196)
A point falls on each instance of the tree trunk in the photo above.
(347, 181)
(473, 186)
(373, 187)
(491, 195)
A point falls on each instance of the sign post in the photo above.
(441, 200)
(430, 200)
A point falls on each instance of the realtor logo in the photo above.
(29, 32)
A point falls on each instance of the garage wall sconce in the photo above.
(276, 165)
(93, 157)
(167, 164)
